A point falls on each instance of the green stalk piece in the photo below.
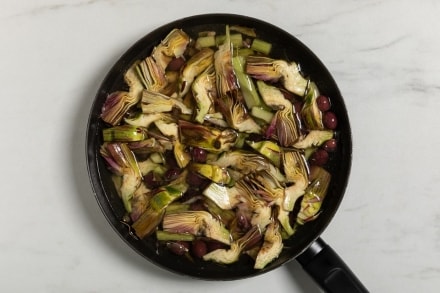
(268, 149)
(247, 85)
(124, 133)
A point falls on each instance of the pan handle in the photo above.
(324, 265)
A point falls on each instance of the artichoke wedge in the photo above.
(197, 64)
(296, 170)
(151, 75)
(173, 45)
(271, 248)
(314, 138)
(268, 149)
(197, 223)
(243, 161)
(287, 125)
(159, 200)
(225, 197)
(204, 93)
(122, 162)
(226, 80)
(267, 69)
(261, 211)
(209, 138)
(212, 172)
(310, 112)
(314, 195)
(144, 120)
(124, 133)
(227, 256)
(154, 102)
(116, 105)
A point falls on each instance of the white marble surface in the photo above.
(53, 56)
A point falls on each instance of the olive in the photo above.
(199, 248)
(153, 180)
(172, 174)
(242, 221)
(319, 157)
(323, 103)
(194, 179)
(330, 121)
(214, 245)
(198, 205)
(176, 64)
(178, 247)
(330, 145)
(199, 155)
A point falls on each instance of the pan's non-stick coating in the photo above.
(285, 46)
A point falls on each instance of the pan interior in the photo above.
(285, 46)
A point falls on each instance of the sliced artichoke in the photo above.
(144, 120)
(271, 248)
(272, 96)
(314, 195)
(310, 112)
(223, 196)
(261, 211)
(154, 102)
(198, 63)
(123, 163)
(243, 161)
(173, 45)
(151, 75)
(124, 133)
(296, 170)
(116, 105)
(197, 223)
(268, 149)
(236, 113)
(226, 81)
(314, 138)
(209, 138)
(212, 172)
(204, 93)
(227, 256)
(268, 69)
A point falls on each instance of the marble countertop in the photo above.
(54, 55)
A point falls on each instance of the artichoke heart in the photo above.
(197, 223)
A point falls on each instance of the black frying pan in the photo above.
(315, 256)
